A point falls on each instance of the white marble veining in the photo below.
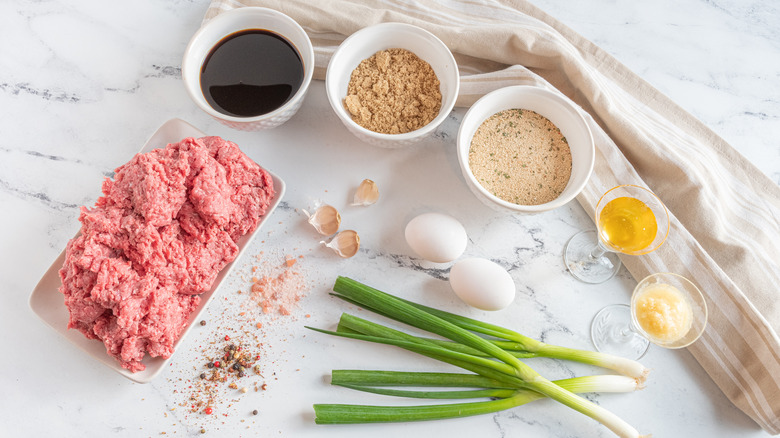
(83, 84)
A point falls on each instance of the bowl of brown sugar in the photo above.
(392, 84)
(525, 149)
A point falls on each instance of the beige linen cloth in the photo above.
(725, 213)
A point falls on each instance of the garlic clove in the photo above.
(367, 193)
(326, 219)
(346, 243)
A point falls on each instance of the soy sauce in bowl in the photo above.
(250, 73)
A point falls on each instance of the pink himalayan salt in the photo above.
(280, 293)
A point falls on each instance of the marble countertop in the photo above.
(84, 84)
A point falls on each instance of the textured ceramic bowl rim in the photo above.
(344, 53)
(228, 23)
(557, 110)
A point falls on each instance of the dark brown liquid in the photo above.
(250, 73)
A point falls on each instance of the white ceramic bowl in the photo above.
(366, 42)
(234, 21)
(550, 105)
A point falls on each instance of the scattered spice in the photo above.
(393, 92)
(234, 359)
(202, 322)
(254, 412)
(521, 157)
(278, 292)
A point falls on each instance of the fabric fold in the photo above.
(725, 212)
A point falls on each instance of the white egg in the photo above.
(482, 283)
(436, 237)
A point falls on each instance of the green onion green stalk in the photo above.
(499, 375)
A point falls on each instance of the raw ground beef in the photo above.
(165, 226)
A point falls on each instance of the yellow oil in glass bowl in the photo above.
(627, 224)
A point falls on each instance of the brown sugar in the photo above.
(393, 92)
(521, 157)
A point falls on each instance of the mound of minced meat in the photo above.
(165, 226)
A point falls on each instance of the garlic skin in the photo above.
(326, 219)
(346, 243)
(367, 193)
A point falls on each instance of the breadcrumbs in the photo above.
(521, 157)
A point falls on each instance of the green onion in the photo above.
(350, 414)
(519, 345)
(499, 372)
(526, 346)
(401, 378)
(471, 393)
(373, 379)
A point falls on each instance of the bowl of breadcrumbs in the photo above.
(392, 84)
(525, 149)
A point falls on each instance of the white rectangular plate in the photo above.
(48, 303)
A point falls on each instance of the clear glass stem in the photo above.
(599, 251)
(613, 332)
(588, 259)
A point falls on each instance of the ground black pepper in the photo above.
(244, 346)
(229, 367)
